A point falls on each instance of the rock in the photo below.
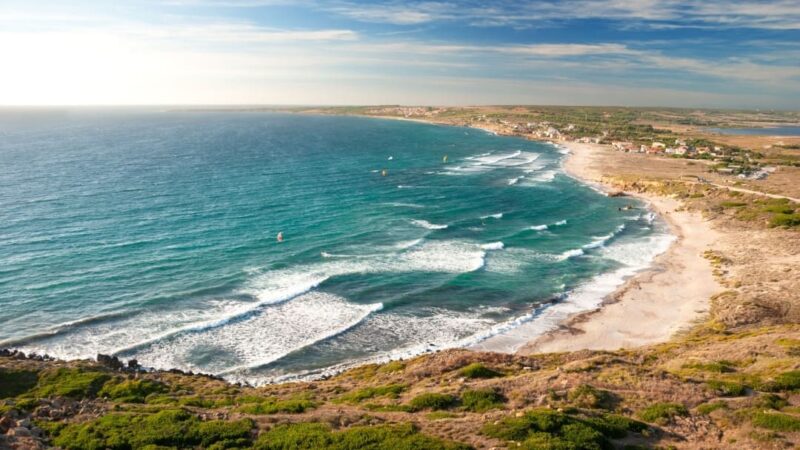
(6, 424)
(19, 432)
(24, 423)
(112, 362)
(133, 364)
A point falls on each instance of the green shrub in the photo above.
(776, 421)
(779, 209)
(274, 406)
(315, 436)
(732, 204)
(787, 381)
(480, 400)
(64, 382)
(171, 428)
(616, 426)
(392, 366)
(197, 401)
(771, 401)
(478, 370)
(548, 429)
(662, 412)
(131, 391)
(714, 366)
(587, 396)
(390, 391)
(708, 408)
(785, 220)
(433, 401)
(727, 388)
(216, 431)
(16, 382)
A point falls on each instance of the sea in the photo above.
(152, 234)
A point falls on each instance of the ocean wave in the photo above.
(572, 253)
(600, 241)
(513, 181)
(493, 216)
(560, 222)
(281, 330)
(487, 162)
(407, 244)
(405, 205)
(428, 225)
(538, 227)
(493, 246)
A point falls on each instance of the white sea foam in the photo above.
(428, 225)
(572, 253)
(405, 205)
(539, 227)
(492, 246)
(493, 216)
(515, 180)
(600, 241)
(278, 331)
(560, 222)
(407, 244)
(487, 162)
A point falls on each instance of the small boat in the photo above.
(444, 160)
(384, 172)
(280, 236)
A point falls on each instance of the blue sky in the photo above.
(610, 52)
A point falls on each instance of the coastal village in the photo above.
(722, 159)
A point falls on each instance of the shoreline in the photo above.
(654, 304)
(668, 296)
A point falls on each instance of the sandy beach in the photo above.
(656, 303)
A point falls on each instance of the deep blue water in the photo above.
(152, 234)
(770, 131)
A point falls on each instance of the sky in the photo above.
(683, 53)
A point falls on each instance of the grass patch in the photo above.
(478, 370)
(317, 436)
(171, 428)
(586, 396)
(274, 406)
(440, 415)
(714, 366)
(785, 220)
(16, 382)
(787, 381)
(480, 400)
(358, 396)
(548, 429)
(64, 382)
(131, 391)
(727, 388)
(662, 412)
(433, 401)
(392, 366)
(708, 408)
(771, 401)
(732, 204)
(775, 421)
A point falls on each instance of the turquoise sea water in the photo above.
(152, 235)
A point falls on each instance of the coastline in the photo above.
(656, 303)
(651, 306)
